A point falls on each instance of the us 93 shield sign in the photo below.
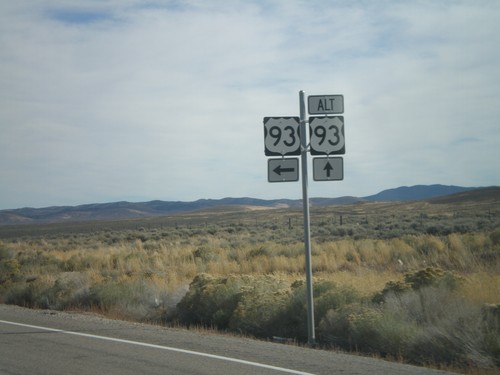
(281, 136)
(327, 135)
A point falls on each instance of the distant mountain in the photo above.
(491, 194)
(417, 192)
(128, 210)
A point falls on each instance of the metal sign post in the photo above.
(311, 336)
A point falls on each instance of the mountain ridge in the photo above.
(417, 192)
(128, 210)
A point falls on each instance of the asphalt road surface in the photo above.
(49, 342)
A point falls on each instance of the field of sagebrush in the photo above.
(414, 282)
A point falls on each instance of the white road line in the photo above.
(138, 343)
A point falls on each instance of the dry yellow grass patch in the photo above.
(482, 287)
(365, 281)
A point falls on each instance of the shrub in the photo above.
(132, 299)
(205, 254)
(449, 329)
(70, 290)
(436, 325)
(9, 266)
(260, 308)
(210, 301)
(452, 336)
(419, 279)
(392, 287)
(367, 329)
(263, 306)
(259, 251)
(33, 294)
(491, 330)
(9, 270)
(327, 296)
(5, 253)
(426, 325)
(432, 276)
(495, 237)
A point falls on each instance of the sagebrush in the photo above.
(421, 297)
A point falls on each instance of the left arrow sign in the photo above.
(283, 170)
(279, 170)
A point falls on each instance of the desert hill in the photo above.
(130, 210)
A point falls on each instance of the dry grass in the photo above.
(142, 274)
(365, 264)
(482, 287)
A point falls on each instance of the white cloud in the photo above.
(112, 100)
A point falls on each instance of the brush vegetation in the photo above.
(413, 282)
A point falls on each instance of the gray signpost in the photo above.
(311, 336)
(284, 136)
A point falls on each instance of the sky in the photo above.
(139, 100)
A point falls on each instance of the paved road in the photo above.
(48, 342)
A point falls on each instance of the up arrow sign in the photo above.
(328, 168)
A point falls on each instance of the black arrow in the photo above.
(278, 170)
(328, 168)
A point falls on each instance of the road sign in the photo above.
(283, 170)
(325, 104)
(288, 136)
(327, 135)
(328, 169)
(281, 136)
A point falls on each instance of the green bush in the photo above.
(4, 253)
(491, 330)
(210, 301)
(9, 270)
(367, 329)
(449, 331)
(107, 295)
(392, 287)
(495, 237)
(427, 325)
(436, 324)
(327, 296)
(433, 276)
(9, 266)
(205, 254)
(263, 306)
(70, 290)
(33, 295)
(417, 280)
(260, 309)
(456, 339)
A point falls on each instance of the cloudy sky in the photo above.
(110, 100)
